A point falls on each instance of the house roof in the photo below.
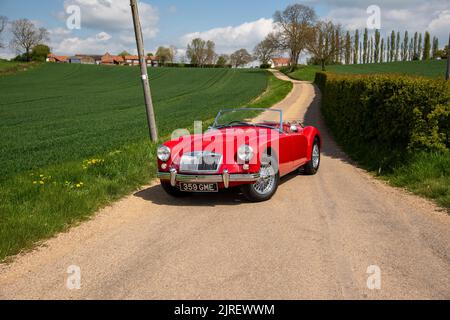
(57, 58)
(281, 60)
(107, 58)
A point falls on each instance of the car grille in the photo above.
(206, 162)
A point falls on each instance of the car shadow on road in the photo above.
(229, 197)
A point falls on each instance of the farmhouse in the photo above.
(109, 59)
(280, 62)
(57, 59)
(89, 58)
(133, 60)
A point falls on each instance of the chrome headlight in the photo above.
(163, 153)
(245, 153)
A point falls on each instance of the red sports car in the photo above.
(235, 152)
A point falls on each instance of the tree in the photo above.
(435, 49)
(241, 58)
(397, 46)
(3, 24)
(348, 48)
(40, 53)
(392, 49)
(405, 46)
(416, 42)
(211, 55)
(266, 49)
(294, 23)
(124, 53)
(25, 36)
(356, 47)
(419, 48)
(197, 52)
(320, 37)
(388, 49)
(426, 46)
(382, 51)
(365, 45)
(411, 49)
(165, 54)
(377, 57)
(223, 60)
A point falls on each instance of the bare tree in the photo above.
(25, 35)
(211, 56)
(165, 54)
(294, 23)
(3, 23)
(266, 49)
(197, 51)
(320, 38)
(241, 58)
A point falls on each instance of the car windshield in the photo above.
(268, 118)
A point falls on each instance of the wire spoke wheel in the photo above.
(266, 181)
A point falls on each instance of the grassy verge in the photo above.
(425, 174)
(11, 67)
(37, 204)
(430, 69)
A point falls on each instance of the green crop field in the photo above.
(58, 113)
(431, 68)
(74, 137)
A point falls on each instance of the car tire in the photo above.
(173, 191)
(264, 190)
(312, 167)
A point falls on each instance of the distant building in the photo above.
(152, 61)
(57, 59)
(74, 59)
(109, 59)
(132, 60)
(89, 58)
(280, 62)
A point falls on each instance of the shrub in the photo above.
(265, 66)
(382, 116)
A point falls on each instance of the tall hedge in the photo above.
(386, 113)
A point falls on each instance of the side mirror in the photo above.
(294, 128)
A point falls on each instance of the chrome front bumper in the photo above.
(224, 178)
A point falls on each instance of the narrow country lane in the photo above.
(314, 240)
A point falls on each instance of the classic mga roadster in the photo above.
(235, 152)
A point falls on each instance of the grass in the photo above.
(431, 69)
(76, 137)
(11, 67)
(426, 174)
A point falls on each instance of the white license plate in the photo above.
(199, 187)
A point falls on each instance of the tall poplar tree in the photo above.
(356, 48)
(426, 46)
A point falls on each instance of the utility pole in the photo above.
(144, 74)
(448, 60)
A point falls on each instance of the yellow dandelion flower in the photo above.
(34, 182)
(41, 182)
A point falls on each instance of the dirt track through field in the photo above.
(315, 239)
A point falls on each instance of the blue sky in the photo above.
(232, 24)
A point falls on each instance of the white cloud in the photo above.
(96, 44)
(229, 39)
(115, 16)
